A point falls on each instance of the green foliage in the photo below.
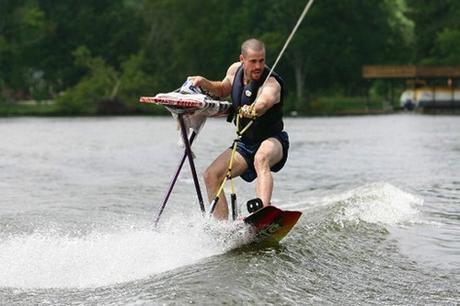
(2, 97)
(447, 40)
(135, 82)
(8, 109)
(22, 27)
(133, 48)
(436, 31)
(38, 87)
(449, 46)
(95, 87)
(344, 105)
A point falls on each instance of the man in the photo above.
(264, 146)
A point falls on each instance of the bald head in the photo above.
(252, 44)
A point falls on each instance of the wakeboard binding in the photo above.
(254, 205)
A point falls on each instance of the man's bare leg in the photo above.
(269, 153)
(214, 175)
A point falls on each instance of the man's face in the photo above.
(253, 64)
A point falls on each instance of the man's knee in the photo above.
(261, 161)
(208, 176)
(212, 176)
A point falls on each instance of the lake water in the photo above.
(380, 197)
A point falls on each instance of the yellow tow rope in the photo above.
(239, 134)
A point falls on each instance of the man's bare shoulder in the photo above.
(273, 82)
(233, 68)
(231, 71)
(271, 91)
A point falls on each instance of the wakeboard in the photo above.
(270, 224)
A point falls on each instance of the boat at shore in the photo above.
(430, 97)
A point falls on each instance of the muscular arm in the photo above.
(268, 96)
(218, 88)
(215, 88)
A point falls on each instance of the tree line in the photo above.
(99, 56)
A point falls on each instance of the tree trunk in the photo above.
(299, 81)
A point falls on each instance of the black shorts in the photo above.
(248, 151)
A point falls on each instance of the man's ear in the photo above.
(241, 58)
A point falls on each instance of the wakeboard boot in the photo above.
(254, 205)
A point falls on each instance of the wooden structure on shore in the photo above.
(411, 72)
(429, 79)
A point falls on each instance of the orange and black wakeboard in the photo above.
(270, 224)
